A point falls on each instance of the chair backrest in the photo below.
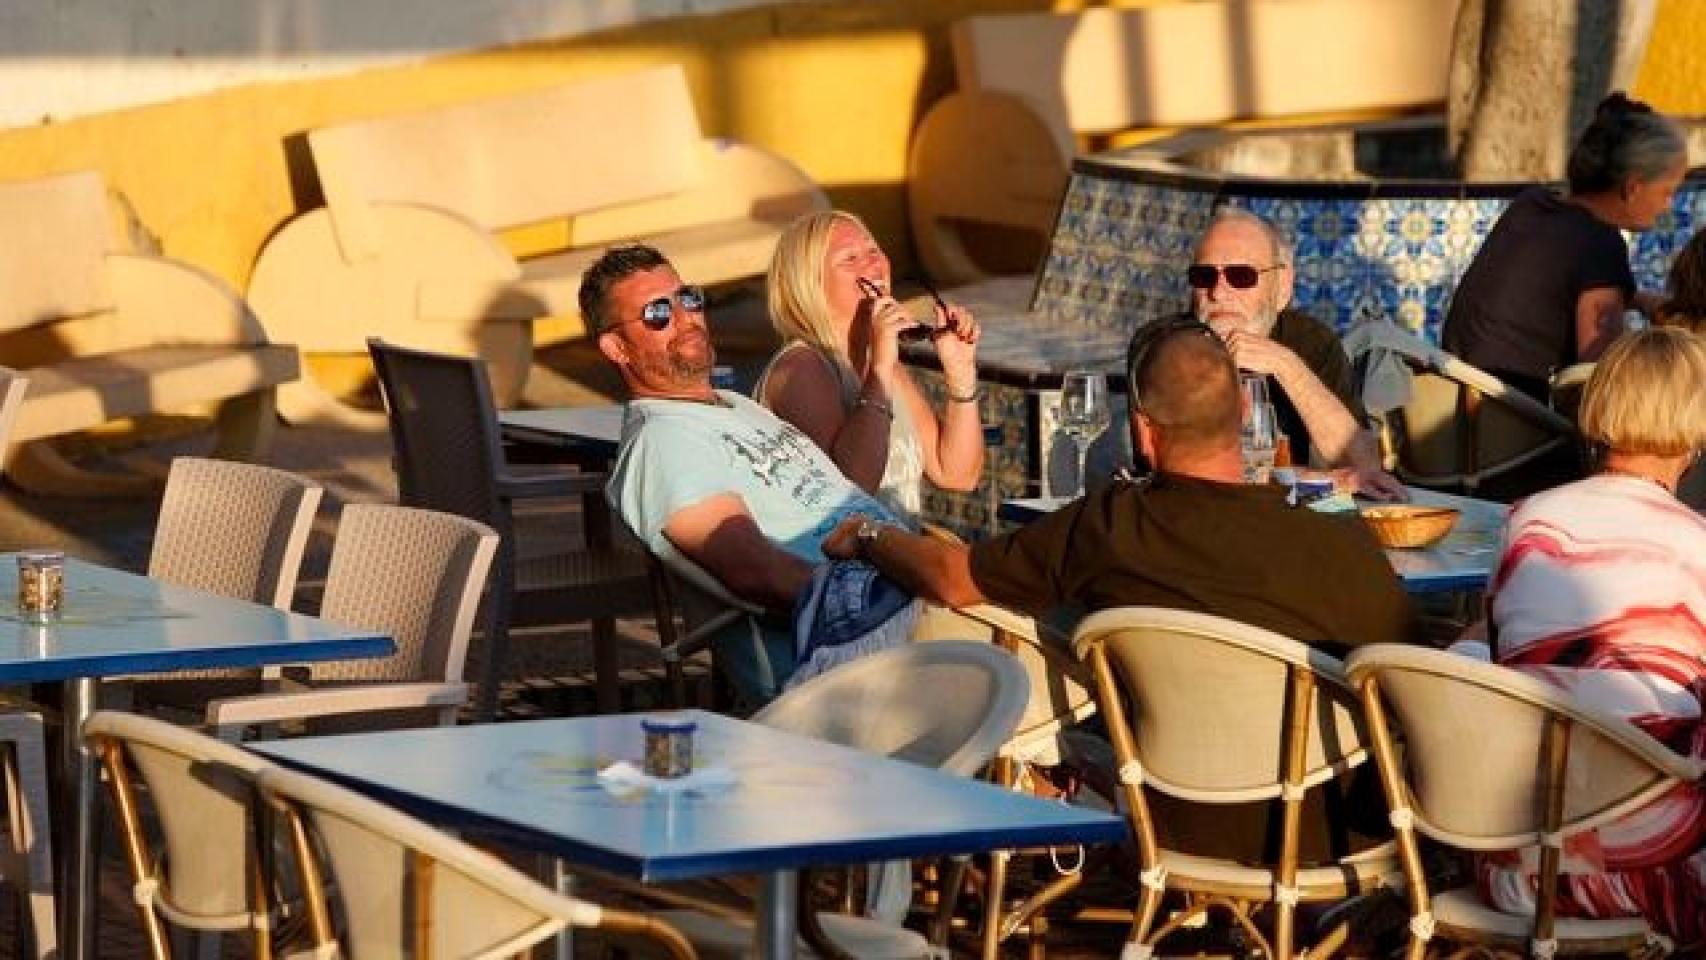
(235, 529)
(1207, 702)
(416, 574)
(201, 791)
(55, 235)
(516, 159)
(1103, 70)
(1473, 738)
(401, 881)
(948, 705)
(445, 431)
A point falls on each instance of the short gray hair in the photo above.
(1229, 214)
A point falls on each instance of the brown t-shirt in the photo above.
(1230, 549)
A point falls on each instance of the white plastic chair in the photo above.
(948, 705)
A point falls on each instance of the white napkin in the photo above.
(624, 777)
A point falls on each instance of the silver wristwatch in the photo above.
(867, 534)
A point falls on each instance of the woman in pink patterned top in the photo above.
(1601, 591)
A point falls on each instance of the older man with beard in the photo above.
(1241, 285)
(708, 476)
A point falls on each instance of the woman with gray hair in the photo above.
(1549, 286)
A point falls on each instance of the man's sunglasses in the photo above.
(1239, 276)
(657, 314)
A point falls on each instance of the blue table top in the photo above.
(797, 802)
(115, 623)
(1462, 561)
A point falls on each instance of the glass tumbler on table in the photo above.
(1084, 414)
(1261, 431)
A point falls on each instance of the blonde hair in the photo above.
(1647, 395)
(798, 308)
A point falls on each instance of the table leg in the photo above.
(778, 910)
(77, 825)
(564, 881)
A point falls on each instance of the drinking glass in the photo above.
(1261, 434)
(1084, 413)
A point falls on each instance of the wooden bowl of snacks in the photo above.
(1408, 527)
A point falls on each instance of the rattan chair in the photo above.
(1212, 711)
(408, 890)
(947, 705)
(233, 529)
(416, 574)
(1554, 768)
(449, 457)
(203, 873)
(1460, 426)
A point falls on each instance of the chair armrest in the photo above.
(330, 701)
(533, 485)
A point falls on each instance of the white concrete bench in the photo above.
(1034, 89)
(104, 334)
(407, 246)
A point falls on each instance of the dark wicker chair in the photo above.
(449, 457)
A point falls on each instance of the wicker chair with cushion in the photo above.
(1212, 711)
(1555, 768)
(449, 457)
(408, 890)
(416, 574)
(203, 873)
(948, 705)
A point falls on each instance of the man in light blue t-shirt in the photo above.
(708, 476)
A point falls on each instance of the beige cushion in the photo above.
(82, 392)
(1463, 910)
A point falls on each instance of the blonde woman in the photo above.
(1601, 591)
(838, 376)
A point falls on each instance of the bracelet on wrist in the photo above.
(874, 404)
(970, 396)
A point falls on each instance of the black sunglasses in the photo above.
(657, 314)
(1239, 276)
(1150, 336)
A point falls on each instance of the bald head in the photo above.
(1186, 386)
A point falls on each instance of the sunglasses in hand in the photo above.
(1239, 276)
(921, 331)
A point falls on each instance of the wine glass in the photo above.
(1084, 413)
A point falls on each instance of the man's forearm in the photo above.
(934, 569)
(1333, 432)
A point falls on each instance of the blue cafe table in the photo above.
(1462, 561)
(118, 624)
(796, 803)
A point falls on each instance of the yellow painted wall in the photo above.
(837, 87)
(1673, 76)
